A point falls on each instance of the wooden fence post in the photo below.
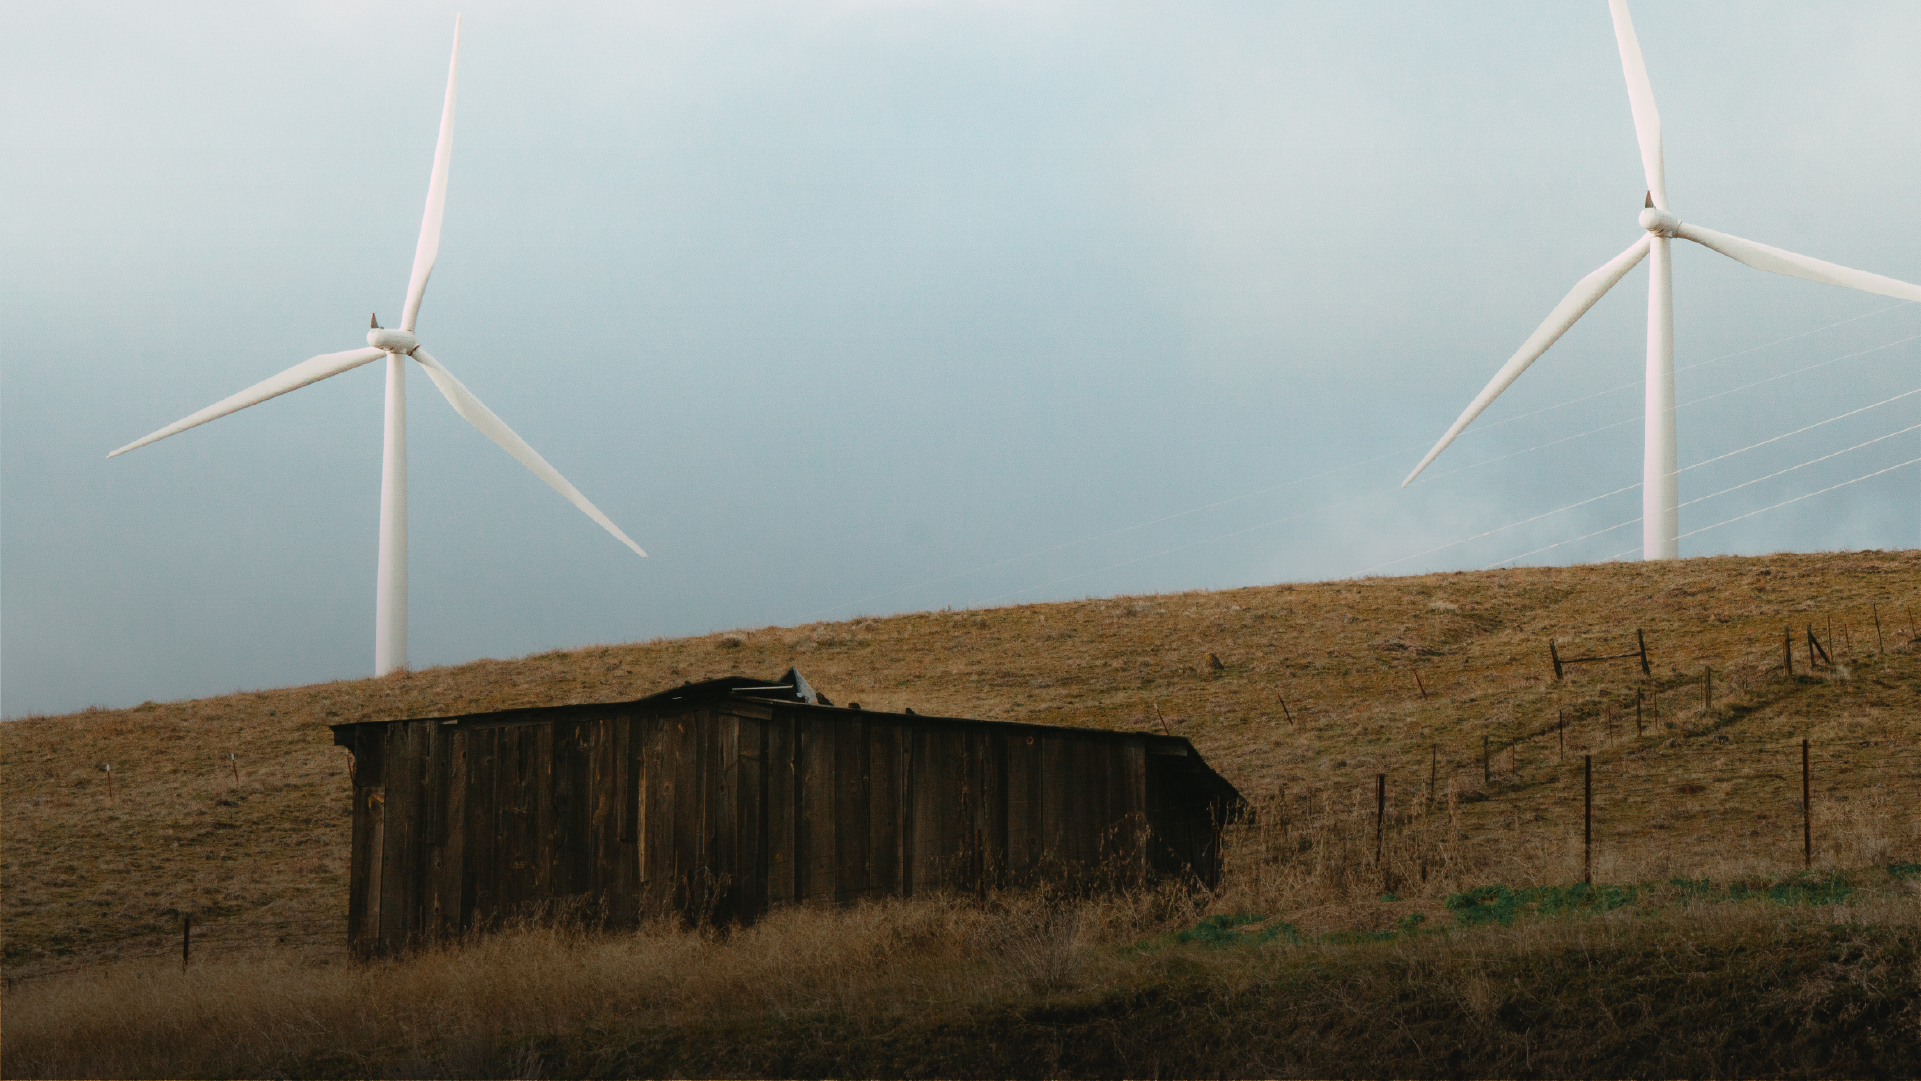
(109, 768)
(1555, 655)
(1380, 815)
(1646, 669)
(1289, 716)
(1587, 820)
(1807, 814)
(1422, 686)
(1879, 645)
(1815, 647)
(231, 761)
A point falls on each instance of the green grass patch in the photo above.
(1501, 905)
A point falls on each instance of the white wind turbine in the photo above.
(397, 345)
(1660, 492)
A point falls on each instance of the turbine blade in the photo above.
(307, 371)
(1647, 119)
(1571, 308)
(491, 426)
(1776, 261)
(428, 248)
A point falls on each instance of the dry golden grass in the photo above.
(1316, 695)
(1024, 986)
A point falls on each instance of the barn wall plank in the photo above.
(1133, 809)
(447, 856)
(546, 829)
(1021, 748)
(687, 850)
(750, 874)
(725, 805)
(1058, 847)
(883, 808)
(993, 743)
(479, 889)
(402, 869)
(851, 804)
(817, 857)
(780, 804)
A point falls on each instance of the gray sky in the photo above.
(868, 307)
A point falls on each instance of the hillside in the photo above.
(1314, 694)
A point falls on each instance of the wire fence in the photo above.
(195, 938)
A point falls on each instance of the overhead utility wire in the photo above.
(1609, 529)
(1683, 405)
(1799, 498)
(1682, 368)
(1369, 461)
(1637, 484)
(1709, 496)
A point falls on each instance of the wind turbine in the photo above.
(1660, 492)
(397, 345)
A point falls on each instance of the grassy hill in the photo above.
(1300, 694)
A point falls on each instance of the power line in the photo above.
(1797, 431)
(1683, 405)
(1799, 498)
(1369, 461)
(1725, 491)
(1637, 484)
(1792, 468)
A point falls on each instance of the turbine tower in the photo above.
(1660, 490)
(398, 345)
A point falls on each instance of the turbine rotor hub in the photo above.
(393, 341)
(1659, 222)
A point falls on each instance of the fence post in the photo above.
(1707, 683)
(1879, 646)
(1284, 713)
(1587, 820)
(1556, 656)
(1380, 814)
(1815, 647)
(1787, 650)
(231, 761)
(1646, 669)
(109, 768)
(1422, 686)
(1807, 816)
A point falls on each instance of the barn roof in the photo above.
(793, 691)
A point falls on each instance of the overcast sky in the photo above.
(854, 308)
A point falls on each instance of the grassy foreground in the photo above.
(1676, 984)
(1302, 695)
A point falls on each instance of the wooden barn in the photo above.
(721, 798)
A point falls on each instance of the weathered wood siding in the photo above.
(720, 808)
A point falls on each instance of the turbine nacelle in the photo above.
(393, 341)
(1654, 220)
